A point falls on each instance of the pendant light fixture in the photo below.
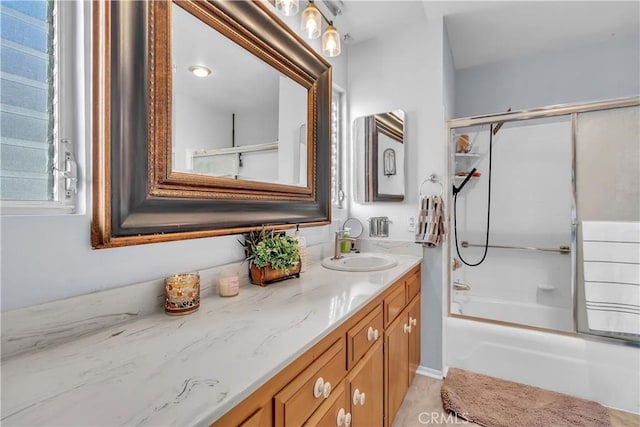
(311, 23)
(331, 41)
(287, 7)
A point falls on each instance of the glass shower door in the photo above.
(608, 207)
(512, 222)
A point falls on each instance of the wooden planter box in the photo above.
(264, 275)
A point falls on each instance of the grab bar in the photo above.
(561, 249)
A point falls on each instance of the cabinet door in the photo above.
(366, 394)
(396, 363)
(414, 337)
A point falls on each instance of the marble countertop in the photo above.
(185, 370)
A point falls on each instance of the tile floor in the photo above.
(422, 407)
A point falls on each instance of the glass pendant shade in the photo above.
(287, 7)
(311, 22)
(331, 42)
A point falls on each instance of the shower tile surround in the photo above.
(114, 356)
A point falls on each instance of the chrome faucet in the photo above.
(337, 253)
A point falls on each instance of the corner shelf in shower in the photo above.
(458, 179)
(464, 162)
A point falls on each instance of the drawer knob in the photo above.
(343, 418)
(326, 391)
(358, 397)
(413, 321)
(407, 328)
(340, 418)
(318, 388)
(372, 334)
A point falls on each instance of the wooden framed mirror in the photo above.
(380, 157)
(141, 194)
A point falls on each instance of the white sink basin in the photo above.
(360, 262)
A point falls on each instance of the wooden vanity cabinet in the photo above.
(402, 349)
(368, 362)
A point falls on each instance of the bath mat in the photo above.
(493, 402)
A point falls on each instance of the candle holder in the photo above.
(229, 283)
(182, 293)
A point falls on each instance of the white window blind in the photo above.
(337, 193)
(27, 101)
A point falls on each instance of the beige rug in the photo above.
(493, 402)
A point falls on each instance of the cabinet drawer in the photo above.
(327, 414)
(413, 285)
(255, 420)
(295, 403)
(393, 304)
(361, 337)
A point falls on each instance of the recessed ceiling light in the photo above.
(200, 71)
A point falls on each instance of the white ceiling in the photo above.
(483, 32)
(239, 81)
(487, 32)
(479, 32)
(365, 19)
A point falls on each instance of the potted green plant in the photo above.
(272, 256)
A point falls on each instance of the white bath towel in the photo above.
(611, 252)
(431, 226)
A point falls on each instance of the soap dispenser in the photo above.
(345, 245)
(302, 248)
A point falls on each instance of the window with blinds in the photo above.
(337, 194)
(27, 100)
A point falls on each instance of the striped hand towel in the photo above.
(431, 226)
(611, 252)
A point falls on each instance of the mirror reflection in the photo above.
(379, 157)
(234, 116)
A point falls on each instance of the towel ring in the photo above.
(433, 179)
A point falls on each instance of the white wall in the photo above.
(197, 126)
(46, 258)
(382, 78)
(594, 72)
(404, 70)
(292, 116)
(258, 126)
(449, 79)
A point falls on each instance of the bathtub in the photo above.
(538, 315)
(608, 373)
